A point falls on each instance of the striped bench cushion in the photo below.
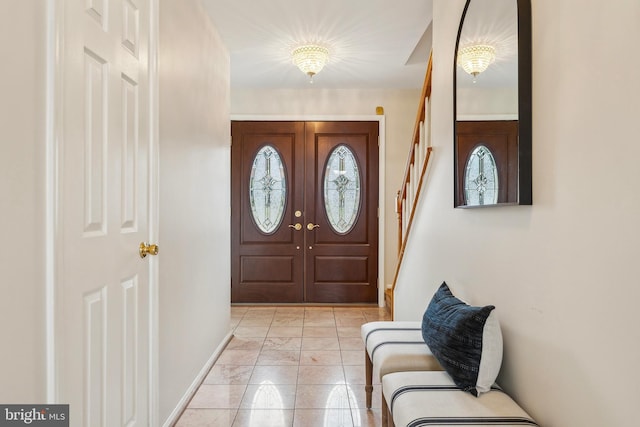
(397, 346)
(432, 399)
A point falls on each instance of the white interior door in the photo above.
(102, 349)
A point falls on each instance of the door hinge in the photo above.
(378, 211)
(231, 140)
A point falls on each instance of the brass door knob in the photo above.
(311, 226)
(147, 249)
(296, 227)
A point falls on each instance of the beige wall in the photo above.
(22, 202)
(194, 201)
(400, 107)
(194, 178)
(562, 273)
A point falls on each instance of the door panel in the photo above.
(102, 344)
(257, 269)
(266, 267)
(316, 264)
(341, 267)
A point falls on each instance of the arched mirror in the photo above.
(492, 103)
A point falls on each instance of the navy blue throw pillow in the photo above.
(453, 330)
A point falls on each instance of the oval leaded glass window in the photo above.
(267, 189)
(342, 189)
(481, 178)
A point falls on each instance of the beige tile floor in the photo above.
(289, 366)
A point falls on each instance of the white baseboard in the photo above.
(182, 404)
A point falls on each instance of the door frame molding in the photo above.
(53, 149)
(154, 213)
(53, 202)
(381, 167)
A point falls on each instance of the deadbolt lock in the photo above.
(298, 214)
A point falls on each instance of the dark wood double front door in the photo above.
(304, 224)
(499, 141)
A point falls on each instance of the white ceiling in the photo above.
(371, 42)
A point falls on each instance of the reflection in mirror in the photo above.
(492, 101)
(494, 91)
(481, 181)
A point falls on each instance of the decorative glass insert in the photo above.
(481, 178)
(342, 189)
(267, 189)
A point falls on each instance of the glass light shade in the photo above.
(476, 58)
(310, 58)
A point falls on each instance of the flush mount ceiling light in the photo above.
(310, 58)
(475, 59)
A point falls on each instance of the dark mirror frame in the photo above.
(524, 185)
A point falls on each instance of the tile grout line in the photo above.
(252, 370)
(338, 318)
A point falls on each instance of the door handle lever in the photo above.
(296, 227)
(311, 226)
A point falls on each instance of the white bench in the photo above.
(394, 347)
(418, 399)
